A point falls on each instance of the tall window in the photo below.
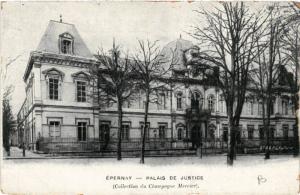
(53, 88)
(125, 131)
(54, 128)
(211, 103)
(161, 101)
(162, 131)
(104, 132)
(250, 129)
(179, 101)
(81, 91)
(81, 131)
(284, 107)
(250, 107)
(222, 104)
(54, 79)
(285, 129)
(261, 132)
(179, 133)
(260, 108)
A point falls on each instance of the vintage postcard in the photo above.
(146, 97)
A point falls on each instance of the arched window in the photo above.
(54, 79)
(180, 131)
(81, 80)
(211, 103)
(179, 101)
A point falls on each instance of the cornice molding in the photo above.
(38, 58)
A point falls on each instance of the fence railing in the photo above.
(56, 145)
(276, 145)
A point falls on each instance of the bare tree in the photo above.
(230, 35)
(114, 84)
(5, 97)
(151, 69)
(7, 118)
(268, 67)
(291, 46)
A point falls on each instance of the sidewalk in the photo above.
(17, 153)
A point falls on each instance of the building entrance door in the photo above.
(196, 136)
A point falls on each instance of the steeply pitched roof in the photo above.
(49, 41)
(179, 46)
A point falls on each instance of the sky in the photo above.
(98, 23)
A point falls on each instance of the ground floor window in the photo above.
(162, 131)
(250, 129)
(285, 129)
(179, 133)
(261, 133)
(104, 132)
(238, 134)
(81, 131)
(54, 127)
(125, 131)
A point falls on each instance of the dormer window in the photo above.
(66, 47)
(66, 43)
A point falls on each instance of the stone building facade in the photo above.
(58, 113)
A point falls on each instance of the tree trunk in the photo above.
(296, 139)
(120, 116)
(142, 161)
(295, 129)
(295, 99)
(231, 138)
(267, 154)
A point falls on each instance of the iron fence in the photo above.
(58, 145)
(207, 146)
